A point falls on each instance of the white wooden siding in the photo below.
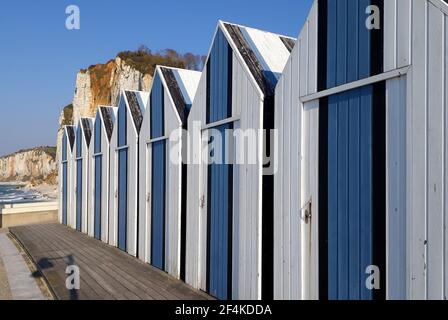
(397, 34)
(295, 183)
(396, 93)
(427, 247)
(195, 246)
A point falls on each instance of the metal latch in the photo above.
(148, 197)
(306, 214)
(202, 202)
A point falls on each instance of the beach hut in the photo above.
(124, 168)
(66, 213)
(163, 181)
(229, 203)
(360, 189)
(99, 152)
(81, 172)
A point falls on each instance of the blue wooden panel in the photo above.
(366, 214)
(157, 109)
(219, 80)
(350, 168)
(79, 199)
(331, 42)
(158, 204)
(79, 141)
(342, 42)
(122, 197)
(122, 124)
(98, 129)
(220, 227)
(354, 183)
(332, 196)
(64, 147)
(98, 193)
(364, 39)
(353, 44)
(348, 55)
(342, 207)
(64, 193)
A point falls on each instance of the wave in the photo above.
(15, 194)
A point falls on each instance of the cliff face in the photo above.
(35, 166)
(100, 85)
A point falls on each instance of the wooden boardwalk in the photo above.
(106, 273)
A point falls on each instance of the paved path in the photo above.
(105, 271)
(16, 280)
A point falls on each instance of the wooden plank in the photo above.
(390, 35)
(435, 183)
(403, 35)
(417, 155)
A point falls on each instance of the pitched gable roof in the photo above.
(264, 53)
(182, 85)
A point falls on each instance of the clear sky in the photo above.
(39, 57)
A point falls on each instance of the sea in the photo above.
(12, 193)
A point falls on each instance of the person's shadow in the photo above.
(45, 263)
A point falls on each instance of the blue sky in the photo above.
(39, 57)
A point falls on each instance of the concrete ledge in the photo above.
(28, 213)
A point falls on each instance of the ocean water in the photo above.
(16, 194)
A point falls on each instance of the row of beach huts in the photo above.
(347, 196)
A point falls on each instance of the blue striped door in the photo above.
(98, 192)
(78, 194)
(158, 172)
(220, 188)
(350, 167)
(64, 179)
(79, 137)
(158, 204)
(64, 193)
(122, 197)
(122, 176)
(98, 177)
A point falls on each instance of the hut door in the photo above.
(158, 172)
(64, 193)
(355, 189)
(98, 176)
(98, 193)
(158, 204)
(64, 180)
(219, 235)
(122, 197)
(78, 194)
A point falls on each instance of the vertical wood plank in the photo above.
(435, 185)
(418, 139)
(390, 34)
(403, 35)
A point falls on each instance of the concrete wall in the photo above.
(12, 215)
